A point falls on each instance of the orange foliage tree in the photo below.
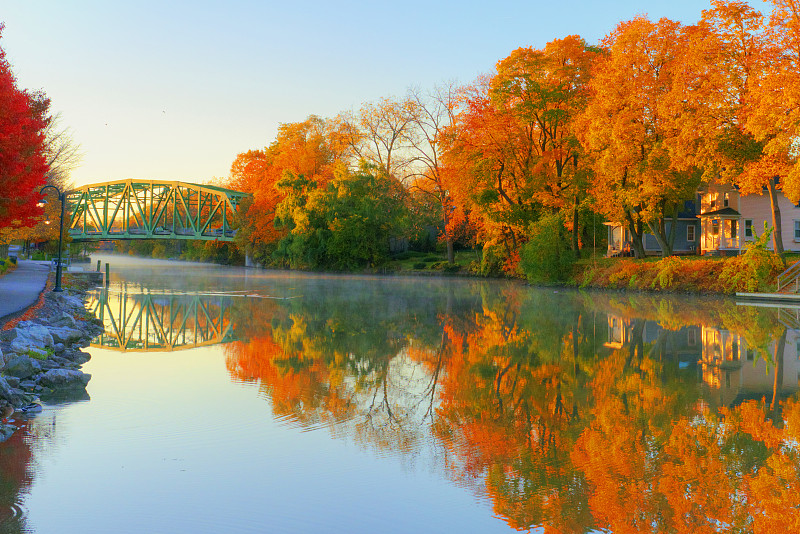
(775, 107)
(514, 143)
(301, 148)
(629, 126)
(726, 63)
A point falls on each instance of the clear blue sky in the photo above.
(174, 90)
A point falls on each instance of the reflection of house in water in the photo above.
(681, 346)
(734, 371)
(727, 367)
(619, 332)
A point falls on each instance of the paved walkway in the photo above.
(21, 287)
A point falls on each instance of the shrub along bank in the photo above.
(754, 272)
(546, 260)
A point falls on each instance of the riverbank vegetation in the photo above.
(546, 262)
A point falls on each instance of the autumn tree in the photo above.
(775, 107)
(549, 88)
(249, 173)
(376, 134)
(62, 156)
(432, 114)
(23, 165)
(629, 123)
(346, 225)
(301, 148)
(717, 100)
(516, 142)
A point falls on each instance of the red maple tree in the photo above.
(22, 161)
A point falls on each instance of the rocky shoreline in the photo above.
(41, 357)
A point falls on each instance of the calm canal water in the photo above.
(231, 400)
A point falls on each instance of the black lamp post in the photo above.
(60, 234)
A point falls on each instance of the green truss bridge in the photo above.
(134, 209)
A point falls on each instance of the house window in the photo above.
(748, 228)
(713, 199)
(725, 200)
(797, 230)
(690, 233)
(715, 227)
(692, 337)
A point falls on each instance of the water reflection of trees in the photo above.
(15, 479)
(573, 412)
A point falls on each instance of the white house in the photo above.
(719, 221)
(728, 220)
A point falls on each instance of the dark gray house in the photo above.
(687, 235)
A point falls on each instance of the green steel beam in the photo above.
(152, 210)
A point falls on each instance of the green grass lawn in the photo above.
(433, 261)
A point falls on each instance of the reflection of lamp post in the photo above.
(60, 234)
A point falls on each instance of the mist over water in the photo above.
(236, 400)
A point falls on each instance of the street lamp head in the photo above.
(57, 190)
(60, 232)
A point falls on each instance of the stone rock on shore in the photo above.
(26, 336)
(64, 379)
(22, 367)
(6, 391)
(66, 320)
(76, 356)
(65, 335)
(42, 356)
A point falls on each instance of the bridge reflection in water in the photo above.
(152, 322)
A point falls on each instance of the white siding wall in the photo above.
(758, 208)
(716, 193)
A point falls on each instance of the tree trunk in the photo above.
(659, 229)
(777, 383)
(575, 247)
(658, 232)
(636, 235)
(673, 229)
(777, 234)
(448, 238)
